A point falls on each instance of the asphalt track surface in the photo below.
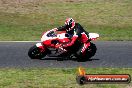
(109, 54)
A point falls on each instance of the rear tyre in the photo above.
(89, 53)
(91, 50)
(35, 53)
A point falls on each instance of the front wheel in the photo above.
(35, 53)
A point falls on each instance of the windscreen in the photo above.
(52, 34)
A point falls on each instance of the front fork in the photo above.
(40, 46)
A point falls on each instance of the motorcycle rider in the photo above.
(77, 32)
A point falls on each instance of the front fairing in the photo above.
(50, 39)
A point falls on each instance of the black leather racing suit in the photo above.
(77, 33)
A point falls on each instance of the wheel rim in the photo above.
(36, 52)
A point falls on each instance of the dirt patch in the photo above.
(35, 1)
(28, 6)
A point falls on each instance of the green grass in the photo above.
(55, 77)
(112, 19)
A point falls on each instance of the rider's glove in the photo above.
(55, 29)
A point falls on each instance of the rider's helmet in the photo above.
(70, 24)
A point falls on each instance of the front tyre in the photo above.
(35, 53)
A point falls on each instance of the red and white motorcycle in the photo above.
(51, 46)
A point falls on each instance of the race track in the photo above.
(109, 54)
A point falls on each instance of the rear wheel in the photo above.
(35, 53)
(91, 50)
(89, 53)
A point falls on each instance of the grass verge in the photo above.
(112, 19)
(55, 77)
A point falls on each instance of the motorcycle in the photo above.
(51, 42)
